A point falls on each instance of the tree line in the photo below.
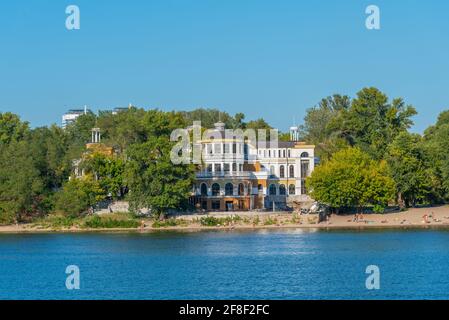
(36, 164)
(368, 158)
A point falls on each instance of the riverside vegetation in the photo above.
(368, 159)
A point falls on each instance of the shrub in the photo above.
(172, 222)
(112, 221)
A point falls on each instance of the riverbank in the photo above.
(432, 217)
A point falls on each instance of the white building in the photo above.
(239, 174)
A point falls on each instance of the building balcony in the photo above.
(222, 174)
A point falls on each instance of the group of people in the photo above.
(358, 217)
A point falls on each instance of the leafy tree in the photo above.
(372, 123)
(408, 167)
(323, 125)
(20, 183)
(108, 170)
(436, 146)
(153, 180)
(123, 129)
(351, 179)
(12, 128)
(48, 147)
(79, 195)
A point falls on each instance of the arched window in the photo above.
(292, 171)
(291, 189)
(272, 190)
(241, 189)
(304, 155)
(272, 170)
(282, 190)
(229, 189)
(282, 172)
(203, 189)
(215, 189)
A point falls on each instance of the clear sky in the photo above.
(270, 59)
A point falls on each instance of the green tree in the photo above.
(351, 179)
(108, 170)
(12, 128)
(153, 180)
(372, 122)
(408, 167)
(436, 146)
(21, 186)
(79, 195)
(323, 125)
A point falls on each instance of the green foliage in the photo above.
(11, 128)
(408, 168)
(155, 182)
(373, 123)
(210, 221)
(21, 187)
(172, 222)
(351, 179)
(109, 221)
(79, 195)
(270, 221)
(108, 170)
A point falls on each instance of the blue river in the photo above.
(263, 264)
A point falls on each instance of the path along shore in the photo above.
(431, 217)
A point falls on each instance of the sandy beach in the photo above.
(431, 217)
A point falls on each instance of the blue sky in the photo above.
(270, 59)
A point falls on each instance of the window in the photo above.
(227, 167)
(304, 168)
(272, 171)
(217, 167)
(279, 153)
(234, 167)
(304, 155)
(288, 153)
(291, 189)
(226, 148)
(283, 153)
(203, 189)
(272, 190)
(282, 190)
(229, 189)
(209, 167)
(265, 153)
(209, 149)
(241, 189)
(215, 189)
(240, 167)
(215, 205)
(217, 148)
(269, 153)
(303, 186)
(234, 148)
(292, 171)
(282, 172)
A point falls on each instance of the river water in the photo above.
(263, 264)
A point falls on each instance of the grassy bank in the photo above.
(107, 221)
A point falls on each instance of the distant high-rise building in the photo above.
(71, 115)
